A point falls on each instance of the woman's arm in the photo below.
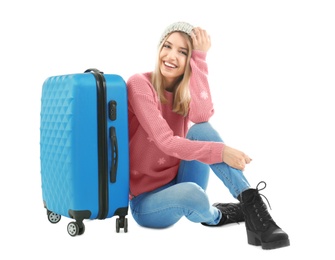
(201, 105)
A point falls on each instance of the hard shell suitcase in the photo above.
(84, 153)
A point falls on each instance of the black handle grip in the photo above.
(114, 154)
(93, 70)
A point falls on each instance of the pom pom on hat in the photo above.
(177, 27)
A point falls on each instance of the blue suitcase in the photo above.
(84, 153)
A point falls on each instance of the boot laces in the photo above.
(261, 208)
(263, 182)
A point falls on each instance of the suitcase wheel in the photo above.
(53, 217)
(75, 228)
(122, 222)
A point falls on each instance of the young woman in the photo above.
(173, 146)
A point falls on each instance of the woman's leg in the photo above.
(232, 178)
(194, 171)
(186, 195)
(167, 205)
(261, 228)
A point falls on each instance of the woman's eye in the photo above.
(166, 46)
(184, 52)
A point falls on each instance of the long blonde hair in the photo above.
(181, 93)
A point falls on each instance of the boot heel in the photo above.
(252, 239)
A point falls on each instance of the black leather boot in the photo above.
(261, 228)
(231, 213)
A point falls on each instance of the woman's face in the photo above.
(173, 57)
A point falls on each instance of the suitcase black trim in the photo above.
(102, 143)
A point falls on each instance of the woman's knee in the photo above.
(197, 130)
(197, 127)
(203, 132)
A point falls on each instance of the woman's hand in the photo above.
(235, 158)
(201, 40)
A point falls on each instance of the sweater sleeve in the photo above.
(201, 105)
(143, 103)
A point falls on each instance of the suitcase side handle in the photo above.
(114, 154)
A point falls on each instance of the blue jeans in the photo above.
(185, 195)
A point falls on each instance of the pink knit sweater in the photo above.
(157, 135)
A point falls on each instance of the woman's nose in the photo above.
(172, 55)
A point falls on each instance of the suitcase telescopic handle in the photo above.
(113, 170)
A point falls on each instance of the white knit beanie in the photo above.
(177, 27)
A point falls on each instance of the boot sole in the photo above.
(255, 240)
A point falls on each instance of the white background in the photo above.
(271, 68)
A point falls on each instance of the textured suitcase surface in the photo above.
(84, 148)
